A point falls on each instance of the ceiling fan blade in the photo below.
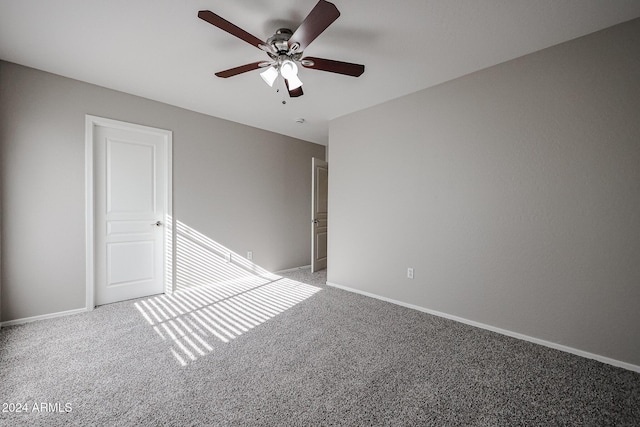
(293, 93)
(320, 17)
(332, 66)
(230, 28)
(239, 70)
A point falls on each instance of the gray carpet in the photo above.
(291, 351)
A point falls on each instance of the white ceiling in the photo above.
(159, 49)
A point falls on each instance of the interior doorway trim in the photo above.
(90, 124)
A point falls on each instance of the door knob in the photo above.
(157, 223)
(315, 221)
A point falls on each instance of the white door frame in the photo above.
(90, 123)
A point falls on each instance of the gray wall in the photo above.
(245, 188)
(514, 192)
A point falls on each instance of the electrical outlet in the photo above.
(250, 255)
(409, 273)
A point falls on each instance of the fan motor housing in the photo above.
(280, 40)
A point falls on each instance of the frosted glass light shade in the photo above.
(294, 82)
(269, 76)
(288, 69)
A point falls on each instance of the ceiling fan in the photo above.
(285, 48)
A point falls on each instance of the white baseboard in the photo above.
(567, 349)
(289, 270)
(42, 317)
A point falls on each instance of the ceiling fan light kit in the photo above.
(285, 49)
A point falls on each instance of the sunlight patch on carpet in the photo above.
(192, 320)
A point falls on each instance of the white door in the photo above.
(319, 190)
(131, 194)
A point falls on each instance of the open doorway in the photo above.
(319, 193)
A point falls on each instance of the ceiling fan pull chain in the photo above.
(282, 90)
